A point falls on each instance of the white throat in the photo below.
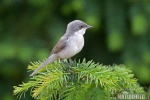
(81, 31)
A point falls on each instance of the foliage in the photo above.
(29, 29)
(79, 81)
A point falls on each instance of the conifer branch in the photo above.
(79, 80)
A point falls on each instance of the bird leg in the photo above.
(68, 65)
(70, 60)
(64, 63)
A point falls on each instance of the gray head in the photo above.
(77, 26)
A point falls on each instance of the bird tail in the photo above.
(52, 58)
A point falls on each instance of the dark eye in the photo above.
(81, 27)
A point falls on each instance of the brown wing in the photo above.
(60, 45)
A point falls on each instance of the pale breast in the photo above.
(74, 45)
(80, 43)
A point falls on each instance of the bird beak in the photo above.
(88, 26)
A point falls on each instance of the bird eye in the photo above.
(81, 26)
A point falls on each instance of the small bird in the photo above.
(69, 44)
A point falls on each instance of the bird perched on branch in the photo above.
(69, 44)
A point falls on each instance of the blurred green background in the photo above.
(30, 28)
